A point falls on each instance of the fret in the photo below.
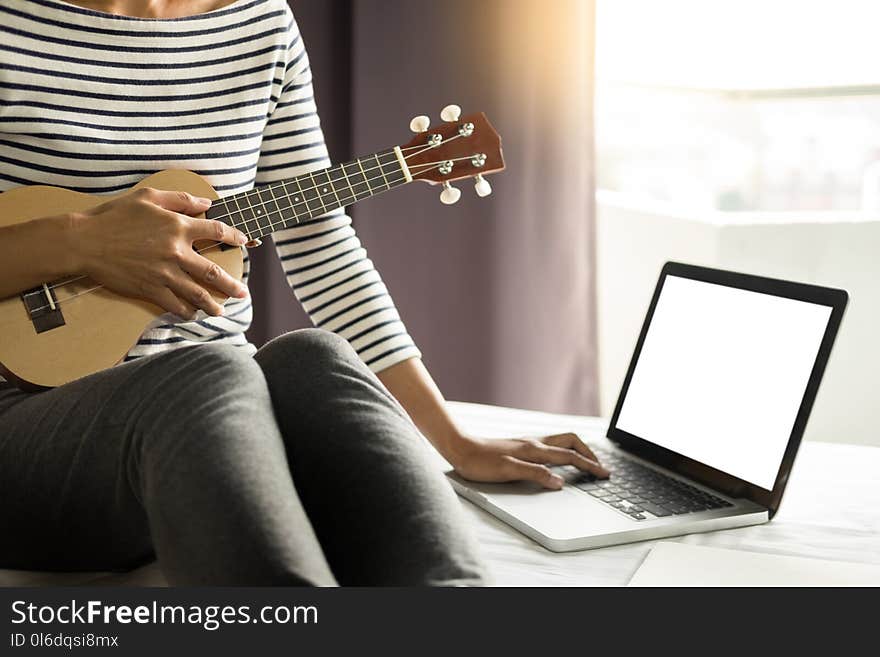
(246, 214)
(320, 193)
(354, 197)
(364, 174)
(299, 204)
(309, 193)
(390, 168)
(269, 213)
(272, 201)
(258, 208)
(395, 168)
(283, 200)
(326, 192)
(382, 171)
(358, 183)
(341, 186)
(254, 197)
(221, 210)
(327, 173)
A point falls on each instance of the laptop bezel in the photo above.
(725, 483)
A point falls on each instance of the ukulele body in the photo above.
(99, 327)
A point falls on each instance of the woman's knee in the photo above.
(208, 370)
(309, 353)
(212, 359)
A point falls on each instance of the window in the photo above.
(740, 105)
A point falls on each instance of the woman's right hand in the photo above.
(141, 245)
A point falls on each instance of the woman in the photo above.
(293, 464)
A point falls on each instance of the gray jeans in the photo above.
(293, 467)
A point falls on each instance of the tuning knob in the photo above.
(482, 186)
(420, 124)
(451, 113)
(450, 194)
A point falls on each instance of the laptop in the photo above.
(708, 421)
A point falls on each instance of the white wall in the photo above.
(835, 249)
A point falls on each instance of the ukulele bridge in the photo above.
(43, 308)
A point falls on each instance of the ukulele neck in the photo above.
(268, 208)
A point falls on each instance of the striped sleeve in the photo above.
(324, 261)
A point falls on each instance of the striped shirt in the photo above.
(95, 102)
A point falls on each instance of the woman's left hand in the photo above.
(514, 459)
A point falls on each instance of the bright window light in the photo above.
(741, 44)
(740, 105)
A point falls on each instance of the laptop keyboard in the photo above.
(640, 492)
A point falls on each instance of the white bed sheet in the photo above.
(831, 510)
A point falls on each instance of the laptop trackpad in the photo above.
(563, 514)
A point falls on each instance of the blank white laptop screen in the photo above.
(722, 374)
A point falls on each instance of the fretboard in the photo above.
(269, 208)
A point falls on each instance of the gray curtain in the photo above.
(498, 292)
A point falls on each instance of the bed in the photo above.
(831, 510)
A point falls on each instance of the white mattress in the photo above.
(831, 510)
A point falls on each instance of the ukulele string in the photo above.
(352, 199)
(427, 148)
(271, 225)
(283, 184)
(320, 198)
(272, 186)
(40, 290)
(58, 302)
(421, 149)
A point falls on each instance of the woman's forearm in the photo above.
(412, 385)
(476, 458)
(35, 252)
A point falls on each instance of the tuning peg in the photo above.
(450, 194)
(451, 113)
(482, 186)
(420, 124)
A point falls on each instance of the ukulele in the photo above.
(66, 329)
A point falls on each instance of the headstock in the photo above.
(460, 148)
